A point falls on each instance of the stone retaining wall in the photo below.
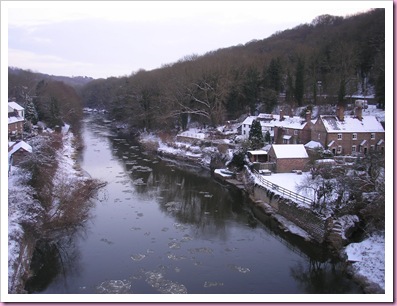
(315, 225)
(306, 219)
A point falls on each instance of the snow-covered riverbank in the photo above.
(23, 208)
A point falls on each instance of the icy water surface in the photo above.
(160, 228)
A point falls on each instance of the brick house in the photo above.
(349, 135)
(293, 130)
(16, 119)
(282, 129)
(288, 157)
(17, 152)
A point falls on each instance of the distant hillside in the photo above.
(320, 62)
(77, 81)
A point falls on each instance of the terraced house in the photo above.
(342, 135)
(349, 135)
(16, 118)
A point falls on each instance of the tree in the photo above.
(274, 75)
(299, 81)
(380, 90)
(31, 112)
(268, 138)
(256, 135)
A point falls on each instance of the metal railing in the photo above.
(285, 192)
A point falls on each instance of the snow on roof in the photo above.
(270, 120)
(249, 120)
(258, 152)
(14, 119)
(290, 151)
(15, 105)
(351, 124)
(313, 144)
(20, 145)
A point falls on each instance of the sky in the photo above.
(111, 38)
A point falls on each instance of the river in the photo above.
(161, 227)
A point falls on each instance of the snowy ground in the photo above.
(368, 259)
(22, 207)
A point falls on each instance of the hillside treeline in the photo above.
(320, 62)
(323, 61)
(49, 99)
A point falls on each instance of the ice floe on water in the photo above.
(179, 226)
(239, 268)
(175, 257)
(203, 250)
(157, 281)
(174, 245)
(138, 257)
(173, 206)
(138, 182)
(114, 287)
(139, 168)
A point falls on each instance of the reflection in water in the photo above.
(161, 227)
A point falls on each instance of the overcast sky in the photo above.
(109, 38)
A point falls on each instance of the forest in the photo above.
(321, 62)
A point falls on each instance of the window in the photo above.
(339, 149)
(339, 136)
(319, 136)
(354, 136)
(286, 131)
(353, 149)
(372, 135)
(372, 148)
(295, 132)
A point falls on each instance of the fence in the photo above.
(285, 192)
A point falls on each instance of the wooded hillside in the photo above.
(319, 62)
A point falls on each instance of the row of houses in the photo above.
(339, 133)
(18, 149)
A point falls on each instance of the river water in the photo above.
(161, 227)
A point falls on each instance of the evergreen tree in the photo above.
(273, 74)
(256, 135)
(380, 90)
(299, 82)
(31, 112)
(342, 91)
(268, 138)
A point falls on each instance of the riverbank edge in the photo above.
(368, 286)
(27, 244)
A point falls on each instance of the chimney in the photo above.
(308, 116)
(281, 114)
(359, 112)
(340, 112)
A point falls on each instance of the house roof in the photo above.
(19, 145)
(290, 151)
(15, 105)
(258, 152)
(270, 120)
(313, 144)
(14, 119)
(351, 124)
